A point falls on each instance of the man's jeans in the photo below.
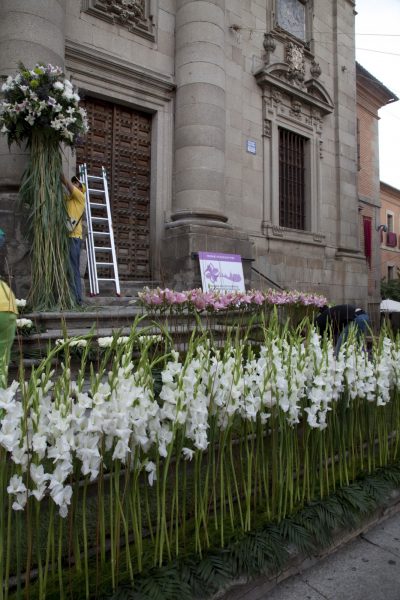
(74, 256)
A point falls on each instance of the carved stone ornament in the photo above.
(132, 14)
(296, 107)
(318, 237)
(124, 11)
(277, 230)
(276, 96)
(315, 69)
(316, 117)
(295, 61)
(267, 132)
(269, 43)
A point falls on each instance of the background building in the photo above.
(371, 96)
(224, 126)
(390, 240)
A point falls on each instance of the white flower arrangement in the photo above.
(41, 98)
(106, 342)
(72, 343)
(303, 383)
(273, 426)
(24, 324)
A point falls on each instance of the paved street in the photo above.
(368, 568)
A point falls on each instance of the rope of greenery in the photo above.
(41, 192)
(265, 550)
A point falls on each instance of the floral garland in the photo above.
(196, 299)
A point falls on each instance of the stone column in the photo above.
(200, 111)
(198, 217)
(30, 32)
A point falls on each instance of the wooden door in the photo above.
(119, 140)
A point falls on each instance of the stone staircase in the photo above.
(102, 316)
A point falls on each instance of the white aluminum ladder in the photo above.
(97, 199)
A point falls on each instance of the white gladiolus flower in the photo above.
(16, 485)
(187, 453)
(24, 323)
(21, 303)
(20, 502)
(151, 469)
(105, 342)
(7, 396)
(38, 475)
(61, 496)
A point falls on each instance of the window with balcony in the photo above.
(389, 222)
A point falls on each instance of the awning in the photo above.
(390, 306)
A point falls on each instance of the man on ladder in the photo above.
(75, 203)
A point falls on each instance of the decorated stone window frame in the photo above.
(293, 99)
(137, 16)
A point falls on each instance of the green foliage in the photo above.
(42, 197)
(295, 533)
(266, 551)
(391, 289)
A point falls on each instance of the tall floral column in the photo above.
(40, 108)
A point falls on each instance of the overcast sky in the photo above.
(379, 53)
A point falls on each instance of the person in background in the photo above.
(8, 318)
(75, 203)
(340, 318)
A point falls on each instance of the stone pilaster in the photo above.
(30, 32)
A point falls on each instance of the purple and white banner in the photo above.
(223, 272)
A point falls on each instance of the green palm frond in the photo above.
(297, 535)
(123, 593)
(165, 584)
(391, 474)
(190, 576)
(315, 522)
(356, 496)
(215, 570)
(259, 551)
(377, 488)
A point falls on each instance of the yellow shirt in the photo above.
(7, 299)
(75, 207)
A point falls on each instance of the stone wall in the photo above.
(214, 82)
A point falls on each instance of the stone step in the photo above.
(129, 289)
(115, 316)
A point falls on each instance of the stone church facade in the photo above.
(224, 125)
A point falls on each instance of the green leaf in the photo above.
(297, 534)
